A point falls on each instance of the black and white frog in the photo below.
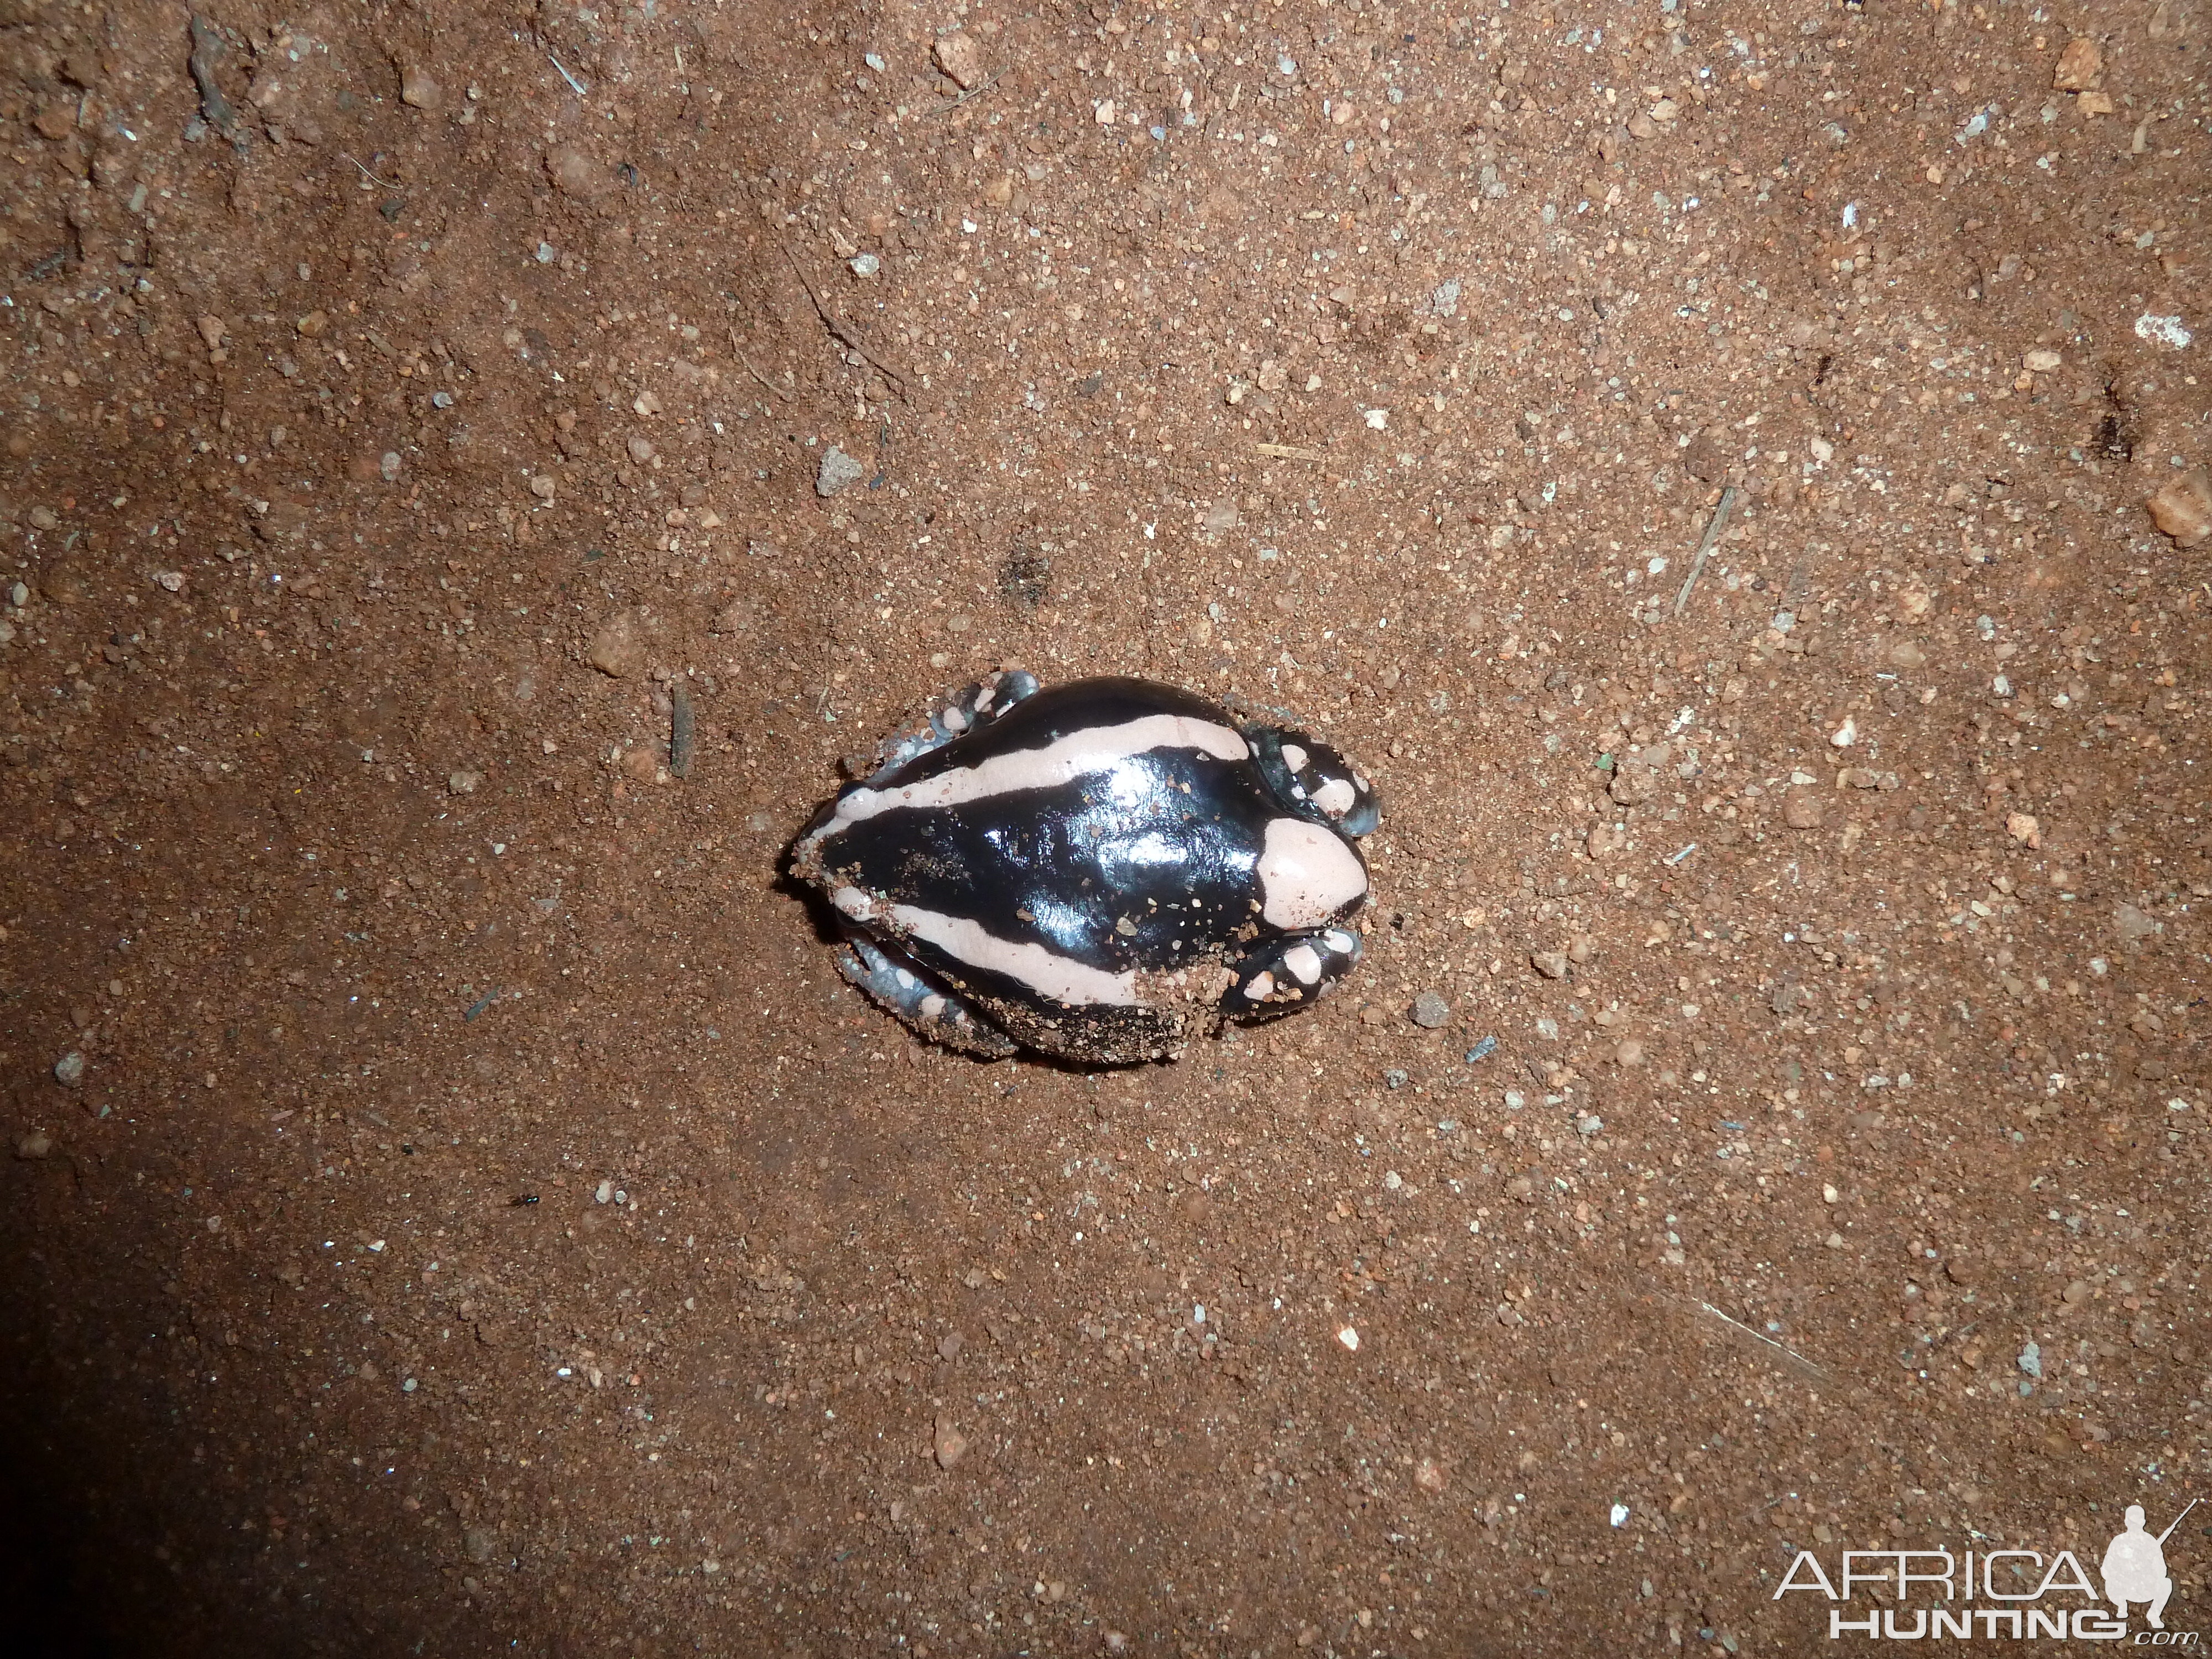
(1097, 871)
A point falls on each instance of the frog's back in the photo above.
(1110, 821)
(1084, 719)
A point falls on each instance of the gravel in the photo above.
(839, 471)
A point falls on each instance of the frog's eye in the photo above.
(1314, 781)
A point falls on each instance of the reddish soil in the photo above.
(478, 1217)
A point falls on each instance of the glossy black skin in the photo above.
(1149, 865)
(1168, 840)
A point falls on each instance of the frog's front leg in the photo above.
(1278, 974)
(929, 1010)
(957, 715)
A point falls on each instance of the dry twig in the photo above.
(1712, 534)
(1808, 1369)
(837, 326)
(739, 352)
(976, 91)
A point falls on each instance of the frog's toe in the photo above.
(1289, 972)
(927, 1009)
(956, 715)
(982, 703)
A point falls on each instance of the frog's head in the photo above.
(1313, 781)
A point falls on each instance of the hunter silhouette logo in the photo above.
(2135, 1567)
(1986, 1595)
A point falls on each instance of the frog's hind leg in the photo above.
(956, 714)
(1287, 972)
(938, 1015)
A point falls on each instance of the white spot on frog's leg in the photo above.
(954, 720)
(1340, 941)
(1050, 975)
(1295, 757)
(1335, 798)
(931, 1006)
(1079, 754)
(1261, 987)
(1307, 874)
(854, 903)
(1303, 961)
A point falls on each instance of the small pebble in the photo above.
(2169, 331)
(1907, 655)
(947, 1443)
(615, 650)
(418, 90)
(640, 448)
(69, 1070)
(1551, 964)
(2031, 1359)
(1429, 1475)
(1802, 812)
(2183, 509)
(2132, 925)
(1482, 1050)
(34, 1146)
(1705, 461)
(1431, 1010)
(865, 265)
(1628, 1052)
(2080, 65)
(959, 57)
(2040, 362)
(388, 465)
(839, 471)
(464, 783)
